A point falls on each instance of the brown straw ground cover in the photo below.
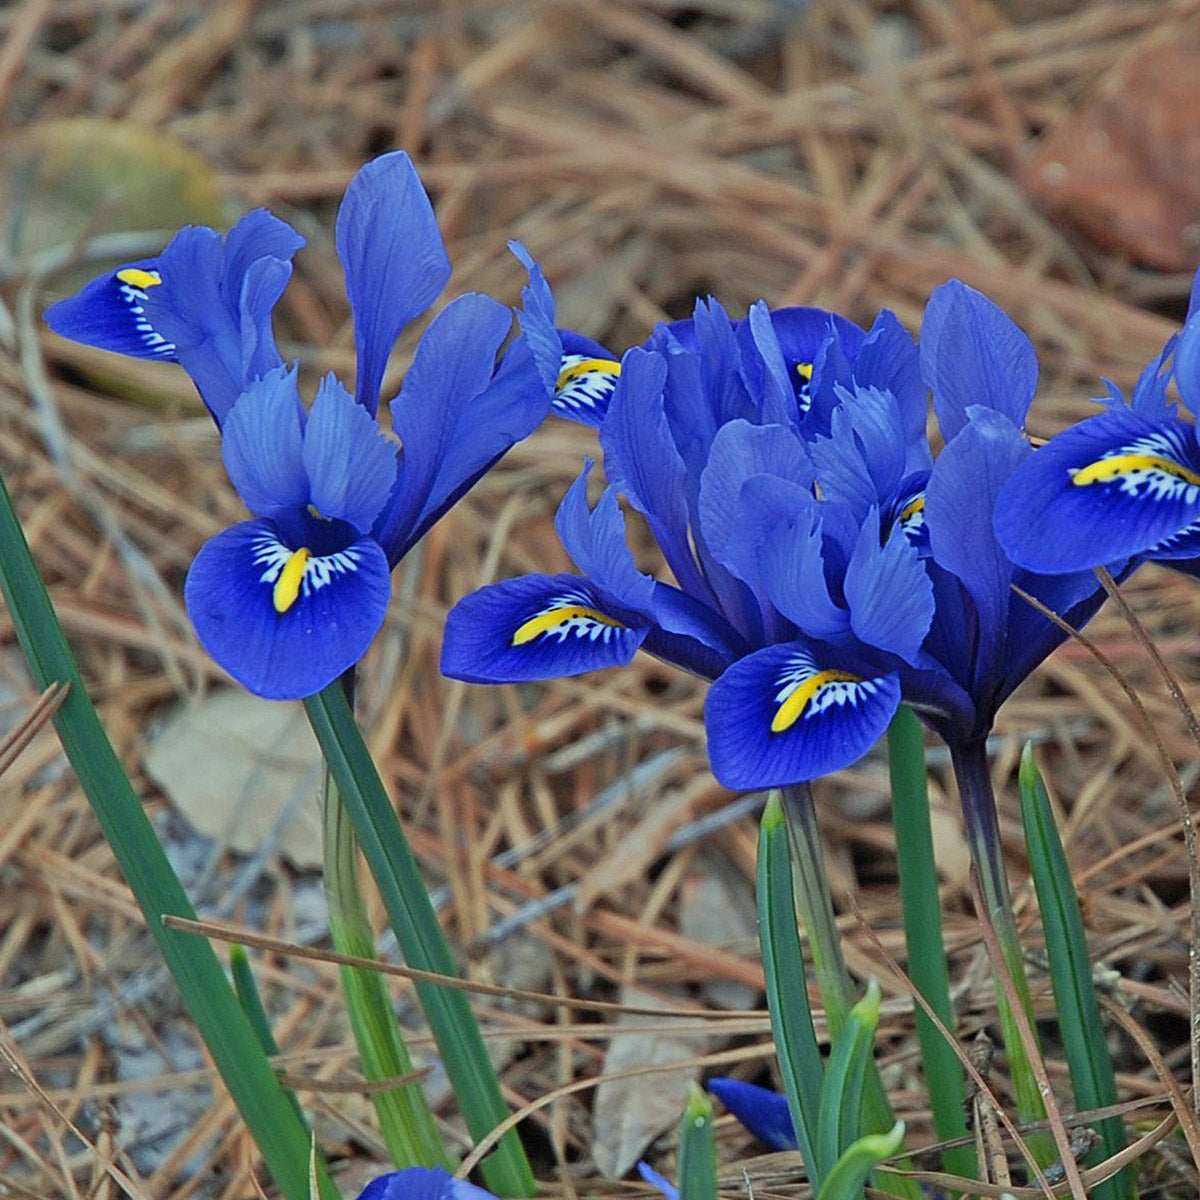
(852, 155)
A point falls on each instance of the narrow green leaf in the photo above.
(1079, 1021)
(506, 1171)
(787, 988)
(405, 1119)
(850, 1172)
(923, 935)
(840, 1120)
(697, 1149)
(282, 1138)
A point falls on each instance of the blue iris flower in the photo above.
(805, 613)
(1123, 483)
(765, 1113)
(289, 600)
(422, 1183)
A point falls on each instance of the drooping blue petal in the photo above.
(395, 264)
(537, 627)
(888, 592)
(763, 1112)
(595, 540)
(351, 466)
(422, 1183)
(283, 622)
(452, 366)
(654, 1179)
(1182, 545)
(262, 442)
(960, 505)
(787, 714)
(691, 635)
(110, 312)
(973, 353)
(642, 461)
(1115, 485)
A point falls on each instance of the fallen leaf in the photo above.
(232, 765)
(1125, 169)
(716, 906)
(630, 1113)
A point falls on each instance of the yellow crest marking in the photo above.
(546, 621)
(1105, 470)
(914, 506)
(607, 365)
(804, 370)
(792, 709)
(287, 586)
(136, 277)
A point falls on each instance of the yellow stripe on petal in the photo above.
(804, 370)
(287, 586)
(544, 622)
(911, 509)
(792, 709)
(136, 277)
(606, 366)
(1105, 470)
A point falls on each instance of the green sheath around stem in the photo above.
(506, 1171)
(282, 1138)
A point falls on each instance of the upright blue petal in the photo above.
(1115, 485)
(642, 461)
(537, 627)
(393, 258)
(453, 365)
(973, 353)
(863, 460)
(766, 371)
(891, 362)
(595, 540)
(790, 713)
(888, 592)
(960, 505)
(763, 1112)
(351, 466)
(283, 621)
(262, 445)
(1187, 362)
(110, 312)
(536, 317)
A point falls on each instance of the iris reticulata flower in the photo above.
(763, 1112)
(804, 612)
(422, 1183)
(1123, 483)
(289, 600)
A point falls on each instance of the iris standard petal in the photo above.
(261, 444)
(973, 353)
(536, 318)
(282, 621)
(785, 715)
(395, 264)
(890, 361)
(888, 592)
(351, 466)
(1187, 362)
(960, 506)
(763, 1112)
(536, 627)
(110, 312)
(1115, 485)
(642, 461)
(863, 460)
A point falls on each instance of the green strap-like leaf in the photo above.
(845, 1181)
(281, 1135)
(1079, 1020)
(697, 1149)
(419, 935)
(840, 1121)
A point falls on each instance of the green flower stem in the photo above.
(281, 1135)
(923, 935)
(506, 1172)
(987, 853)
(815, 901)
(405, 1119)
(1079, 1020)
